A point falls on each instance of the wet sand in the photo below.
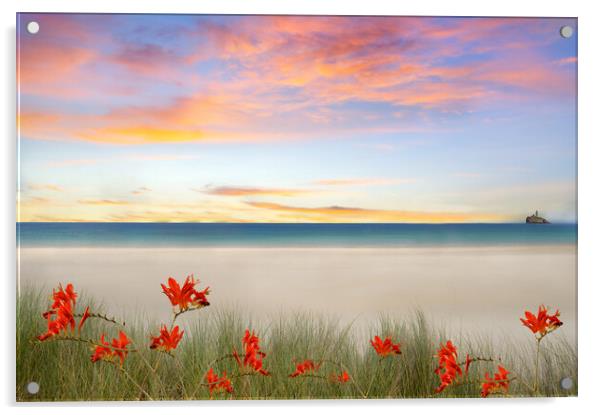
(482, 289)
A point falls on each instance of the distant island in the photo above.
(536, 219)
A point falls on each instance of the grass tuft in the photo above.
(64, 371)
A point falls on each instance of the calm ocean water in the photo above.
(261, 234)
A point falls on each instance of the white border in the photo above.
(590, 208)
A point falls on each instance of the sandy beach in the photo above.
(482, 289)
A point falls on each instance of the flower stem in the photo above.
(351, 377)
(397, 378)
(131, 379)
(177, 314)
(372, 378)
(181, 371)
(153, 370)
(89, 341)
(536, 385)
(102, 317)
(219, 359)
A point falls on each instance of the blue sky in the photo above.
(296, 119)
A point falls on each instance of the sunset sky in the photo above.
(153, 118)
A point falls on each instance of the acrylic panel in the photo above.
(295, 207)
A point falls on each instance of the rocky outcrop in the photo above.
(536, 219)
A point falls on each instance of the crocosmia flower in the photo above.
(305, 367)
(342, 378)
(102, 351)
(61, 296)
(385, 348)
(60, 317)
(218, 384)
(448, 369)
(186, 296)
(253, 356)
(166, 340)
(117, 349)
(499, 383)
(543, 323)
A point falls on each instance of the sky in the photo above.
(182, 118)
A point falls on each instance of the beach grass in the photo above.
(64, 372)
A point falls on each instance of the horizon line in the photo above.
(308, 223)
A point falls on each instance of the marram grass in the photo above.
(64, 371)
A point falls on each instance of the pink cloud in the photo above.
(47, 69)
(287, 77)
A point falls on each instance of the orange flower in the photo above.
(108, 352)
(543, 323)
(60, 317)
(467, 364)
(218, 384)
(102, 351)
(303, 367)
(448, 369)
(199, 298)
(186, 296)
(499, 382)
(120, 346)
(167, 341)
(83, 319)
(385, 348)
(61, 296)
(253, 358)
(342, 378)
(58, 320)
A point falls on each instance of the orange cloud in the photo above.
(50, 187)
(174, 216)
(138, 135)
(34, 200)
(103, 202)
(339, 214)
(37, 123)
(280, 77)
(55, 218)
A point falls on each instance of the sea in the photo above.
(39, 234)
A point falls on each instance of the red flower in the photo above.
(60, 317)
(385, 348)
(467, 364)
(102, 351)
(448, 369)
(83, 319)
(186, 296)
(543, 323)
(167, 341)
(61, 296)
(120, 346)
(199, 299)
(342, 378)
(117, 349)
(218, 384)
(499, 382)
(253, 358)
(303, 367)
